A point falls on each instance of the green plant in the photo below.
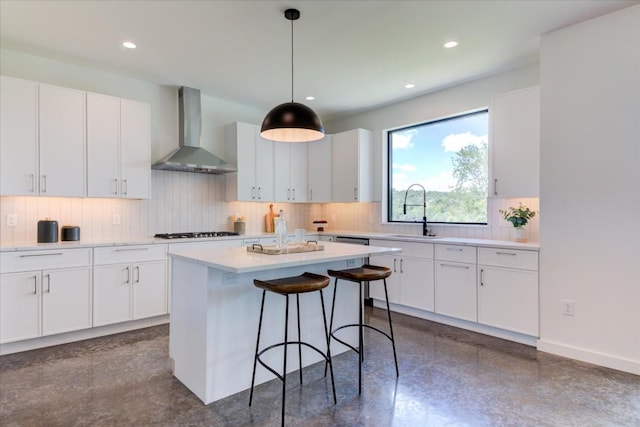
(519, 216)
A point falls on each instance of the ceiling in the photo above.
(351, 55)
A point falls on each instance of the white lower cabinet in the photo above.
(39, 302)
(455, 282)
(411, 282)
(130, 283)
(508, 290)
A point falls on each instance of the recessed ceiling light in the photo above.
(129, 45)
(409, 86)
(451, 44)
(310, 98)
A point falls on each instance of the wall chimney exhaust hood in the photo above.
(190, 156)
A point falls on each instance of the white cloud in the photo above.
(408, 168)
(442, 182)
(455, 141)
(403, 140)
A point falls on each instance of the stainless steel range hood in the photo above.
(190, 156)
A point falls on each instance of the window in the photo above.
(449, 158)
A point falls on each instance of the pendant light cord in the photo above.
(291, 60)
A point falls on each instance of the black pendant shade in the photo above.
(292, 121)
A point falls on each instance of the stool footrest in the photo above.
(357, 326)
(280, 344)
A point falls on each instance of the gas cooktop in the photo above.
(196, 235)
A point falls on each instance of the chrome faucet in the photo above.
(424, 206)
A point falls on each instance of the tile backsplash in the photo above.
(196, 202)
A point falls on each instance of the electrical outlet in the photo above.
(568, 307)
(116, 219)
(12, 220)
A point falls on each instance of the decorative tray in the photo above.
(292, 248)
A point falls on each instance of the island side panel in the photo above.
(188, 324)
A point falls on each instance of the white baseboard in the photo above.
(589, 356)
(51, 340)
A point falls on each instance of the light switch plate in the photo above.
(12, 220)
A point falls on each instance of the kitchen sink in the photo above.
(413, 236)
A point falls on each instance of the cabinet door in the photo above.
(19, 306)
(241, 144)
(319, 165)
(417, 283)
(135, 149)
(18, 137)
(456, 293)
(351, 158)
(103, 142)
(394, 283)
(281, 172)
(508, 299)
(149, 283)
(111, 294)
(264, 167)
(344, 162)
(66, 300)
(62, 141)
(298, 171)
(515, 143)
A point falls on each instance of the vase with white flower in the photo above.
(518, 217)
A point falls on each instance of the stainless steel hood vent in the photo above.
(190, 156)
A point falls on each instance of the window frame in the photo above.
(389, 167)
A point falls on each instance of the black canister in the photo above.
(47, 231)
(70, 233)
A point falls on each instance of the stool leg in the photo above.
(255, 357)
(299, 336)
(329, 361)
(333, 304)
(393, 341)
(284, 368)
(360, 344)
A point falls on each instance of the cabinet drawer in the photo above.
(41, 260)
(456, 253)
(412, 249)
(508, 258)
(135, 253)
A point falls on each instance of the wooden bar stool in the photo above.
(307, 282)
(366, 273)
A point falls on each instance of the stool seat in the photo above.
(365, 273)
(306, 282)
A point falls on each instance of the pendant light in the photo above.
(292, 121)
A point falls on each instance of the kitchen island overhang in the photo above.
(215, 309)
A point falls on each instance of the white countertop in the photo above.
(23, 246)
(239, 260)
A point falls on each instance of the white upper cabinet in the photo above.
(515, 144)
(290, 171)
(319, 170)
(62, 141)
(42, 139)
(118, 147)
(18, 136)
(253, 156)
(351, 158)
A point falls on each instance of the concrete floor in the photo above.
(448, 377)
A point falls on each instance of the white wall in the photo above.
(455, 100)
(590, 193)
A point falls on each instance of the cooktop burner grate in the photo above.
(196, 235)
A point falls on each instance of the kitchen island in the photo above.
(215, 309)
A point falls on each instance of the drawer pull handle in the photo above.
(506, 253)
(455, 249)
(128, 276)
(401, 265)
(49, 254)
(35, 285)
(48, 276)
(138, 274)
(394, 265)
(132, 249)
(455, 266)
(482, 277)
